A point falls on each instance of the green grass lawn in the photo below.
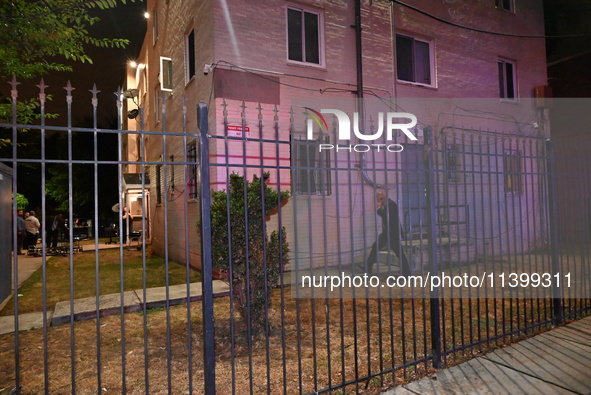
(84, 273)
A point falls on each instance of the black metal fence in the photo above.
(470, 202)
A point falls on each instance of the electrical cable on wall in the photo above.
(474, 29)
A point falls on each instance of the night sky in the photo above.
(107, 72)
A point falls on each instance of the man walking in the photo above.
(32, 226)
(390, 236)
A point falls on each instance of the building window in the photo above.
(451, 163)
(165, 76)
(192, 182)
(414, 60)
(507, 5)
(138, 145)
(512, 171)
(154, 26)
(171, 179)
(159, 184)
(190, 54)
(157, 109)
(507, 86)
(305, 35)
(311, 175)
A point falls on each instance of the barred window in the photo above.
(192, 170)
(513, 171)
(451, 163)
(171, 186)
(311, 168)
(158, 184)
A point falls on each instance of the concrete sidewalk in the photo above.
(554, 362)
(85, 309)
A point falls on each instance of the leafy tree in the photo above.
(37, 36)
(266, 255)
(56, 187)
(21, 202)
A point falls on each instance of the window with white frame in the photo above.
(507, 5)
(305, 35)
(414, 60)
(311, 168)
(165, 76)
(507, 85)
(190, 54)
(192, 181)
(512, 171)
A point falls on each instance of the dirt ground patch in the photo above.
(314, 345)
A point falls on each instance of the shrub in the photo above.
(21, 202)
(246, 256)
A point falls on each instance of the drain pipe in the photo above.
(360, 105)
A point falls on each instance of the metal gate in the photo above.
(491, 204)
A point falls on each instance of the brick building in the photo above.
(237, 55)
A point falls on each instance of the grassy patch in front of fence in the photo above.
(84, 274)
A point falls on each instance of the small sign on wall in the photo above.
(238, 131)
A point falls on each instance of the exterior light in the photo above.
(146, 15)
(133, 113)
(133, 64)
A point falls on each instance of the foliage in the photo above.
(37, 36)
(21, 202)
(57, 187)
(248, 251)
(27, 112)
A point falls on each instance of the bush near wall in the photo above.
(247, 257)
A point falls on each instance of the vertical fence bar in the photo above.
(42, 100)
(122, 232)
(94, 102)
(206, 257)
(69, 89)
(166, 162)
(553, 220)
(230, 256)
(432, 245)
(187, 175)
(17, 368)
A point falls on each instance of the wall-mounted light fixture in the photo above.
(132, 114)
(132, 94)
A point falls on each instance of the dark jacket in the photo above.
(389, 215)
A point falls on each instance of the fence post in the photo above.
(206, 257)
(432, 245)
(553, 222)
